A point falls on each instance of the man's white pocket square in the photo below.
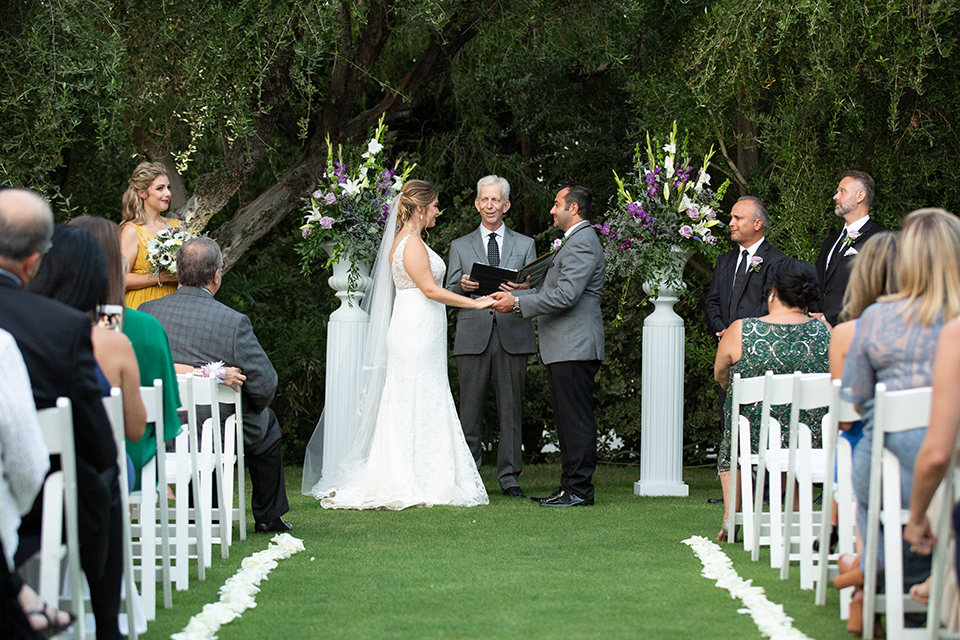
(850, 252)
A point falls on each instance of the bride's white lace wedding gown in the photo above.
(418, 455)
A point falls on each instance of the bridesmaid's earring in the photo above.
(770, 298)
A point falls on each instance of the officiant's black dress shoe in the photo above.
(277, 525)
(549, 497)
(567, 499)
(514, 492)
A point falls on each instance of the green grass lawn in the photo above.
(508, 570)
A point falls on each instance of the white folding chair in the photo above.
(210, 463)
(777, 390)
(840, 456)
(113, 405)
(149, 523)
(806, 466)
(894, 412)
(59, 499)
(948, 488)
(743, 391)
(183, 472)
(233, 463)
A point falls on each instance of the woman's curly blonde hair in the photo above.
(413, 194)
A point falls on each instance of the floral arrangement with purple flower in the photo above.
(345, 214)
(665, 211)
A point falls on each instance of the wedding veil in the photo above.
(378, 303)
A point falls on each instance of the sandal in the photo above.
(50, 617)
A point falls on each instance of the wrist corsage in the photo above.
(212, 370)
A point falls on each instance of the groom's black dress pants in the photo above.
(571, 394)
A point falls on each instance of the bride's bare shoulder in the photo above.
(399, 240)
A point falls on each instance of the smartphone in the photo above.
(110, 316)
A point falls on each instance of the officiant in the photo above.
(492, 348)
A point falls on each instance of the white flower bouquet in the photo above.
(162, 249)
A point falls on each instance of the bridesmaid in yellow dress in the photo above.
(146, 198)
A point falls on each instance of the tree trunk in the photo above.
(748, 156)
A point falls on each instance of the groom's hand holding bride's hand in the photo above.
(484, 302)
(503, 301)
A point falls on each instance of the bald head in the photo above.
(26, 225)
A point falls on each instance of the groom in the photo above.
(571, 340)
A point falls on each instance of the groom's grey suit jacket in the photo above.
(474, 327)
(203, 330)
(570, 323)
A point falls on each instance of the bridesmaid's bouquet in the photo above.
(345, 214)
(162, 249)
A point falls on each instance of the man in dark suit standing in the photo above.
(740, 275)
(571, 340)
(202, 330)
(838, 251)
(740, 279)
(54, 340)
(490, 348)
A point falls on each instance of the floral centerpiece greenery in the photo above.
(348, 208)
(665, 211)
(162, 249)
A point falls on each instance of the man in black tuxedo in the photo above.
(838, 251)
(740, 275)
(54, 340)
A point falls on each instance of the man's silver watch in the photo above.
(516, 307)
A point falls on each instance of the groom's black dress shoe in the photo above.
(277, 525)
(567, 499)
(514, 492)
(549, 497)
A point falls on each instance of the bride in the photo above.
(409, 448)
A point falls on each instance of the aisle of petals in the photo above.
(769, 617)
(237, 593)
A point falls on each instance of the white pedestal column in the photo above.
(661, 411)
(346, 334)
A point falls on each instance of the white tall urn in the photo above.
(346, 334)
(661, 409)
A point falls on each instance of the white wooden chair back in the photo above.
(743, 391)
(183, 471)
(894, 411)
(153, 512)
(113, 405)
(59, 499)
(805, 466)
(778, 390)
(233, 459)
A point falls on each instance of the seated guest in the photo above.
(74, 271)
(783, 341)
(874, 274)
(202, 331)
(149, 342)
(894, 343)
(25, 464)
(54, 341)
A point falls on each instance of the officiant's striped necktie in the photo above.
(493, 251)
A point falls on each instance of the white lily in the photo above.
(351, 188)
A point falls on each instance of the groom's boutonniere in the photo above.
(558, 243)
(755, 263)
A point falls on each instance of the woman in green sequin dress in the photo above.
(785, 340)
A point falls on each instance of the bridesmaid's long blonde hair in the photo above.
(143, 176)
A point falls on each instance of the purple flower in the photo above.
(653, 192)
(686, 231)
(339, 169)
(625, 245)
(755, 263)
(558, 243)
(326, 222)
(635, 210)
(693, 213)
(710, 239)
(709, 213)
(605, 229)
(651, 178)
(329, 198)
(305, 230)
(316, 195)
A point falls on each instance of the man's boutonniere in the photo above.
(558, 243)
(755, 263)
(852, 237)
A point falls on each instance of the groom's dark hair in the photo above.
(581, 195)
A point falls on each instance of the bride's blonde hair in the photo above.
(413, 194)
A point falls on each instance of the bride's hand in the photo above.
(483, 303)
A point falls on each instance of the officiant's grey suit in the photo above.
(491, 347)
(203, 330)
(570, 327)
